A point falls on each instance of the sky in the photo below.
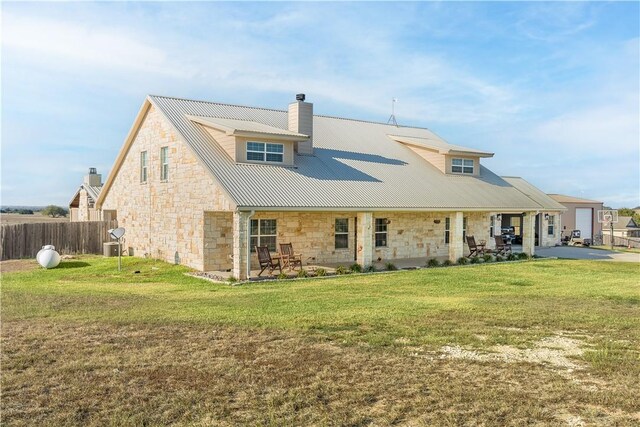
(553, 89)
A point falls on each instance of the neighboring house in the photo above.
(202, 183)
(625, 227)
(82, 205)
(581, 214)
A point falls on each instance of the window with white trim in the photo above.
(551, 225)
(491, 225)
(263, 233)
(447, 229)
(143, 167)
(381, 232)
(265, 152)
(464, 229)
(462, 166)
(164, 163)
(342, 233)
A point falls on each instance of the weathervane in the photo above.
(392, 119)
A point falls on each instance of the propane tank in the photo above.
(47, 257)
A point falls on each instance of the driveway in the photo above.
(579, 252)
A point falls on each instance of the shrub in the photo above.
(523, 255)
(487, 257)
(370, 268)
(499, 258)
(391, 266)
(512, 257)
(463, 260)
(341, 269)
(282, 276)
(303, 273)
(232, 279)
(321, 272)
(476, 260)
(447, 263)
(356, 268)
(433, 263)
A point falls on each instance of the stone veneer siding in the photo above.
(165, 220)
(409, 235)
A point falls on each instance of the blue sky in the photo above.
(551, 88)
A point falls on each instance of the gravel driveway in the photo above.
(579, 252)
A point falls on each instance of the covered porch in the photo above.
(331, 239)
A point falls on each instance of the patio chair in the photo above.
(501, 246)
(265, 260)
(475, 249)
(289, 258)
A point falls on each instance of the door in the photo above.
(584, 222)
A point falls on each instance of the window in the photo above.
(261, 152)
(447, 228)
(263, 233)
(462, 166)
(164, 163)
(381, 232)
(551, 223)
(342, 233)
(143, 166)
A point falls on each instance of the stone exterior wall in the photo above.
(218, 241)
(164, 219)
(409, 234)
(547, 239)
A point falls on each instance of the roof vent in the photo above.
(300, 97)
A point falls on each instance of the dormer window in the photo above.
(265, 152)
(462, 166)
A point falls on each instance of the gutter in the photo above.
(516, 210)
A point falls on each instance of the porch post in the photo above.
(456, 245)
(240, 234)
(365, 239)
(528, 233)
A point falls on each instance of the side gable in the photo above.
(138, 123)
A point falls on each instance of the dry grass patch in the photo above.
(90, 374)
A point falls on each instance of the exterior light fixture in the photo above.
(546, 217)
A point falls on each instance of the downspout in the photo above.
(252, 213)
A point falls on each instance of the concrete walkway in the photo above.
(579, 252)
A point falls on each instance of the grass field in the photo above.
(538, 343)
(14, 218)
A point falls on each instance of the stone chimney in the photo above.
(94, 179)
(301, 121)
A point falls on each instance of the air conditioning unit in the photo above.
(110, 248)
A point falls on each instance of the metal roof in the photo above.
(561, 198)
(233, 126)
(355, 165)
(438, 144)
(541, 198)
(92, 191)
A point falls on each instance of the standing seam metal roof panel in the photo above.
(355, 165)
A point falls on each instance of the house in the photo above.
(581, 214)
(625, 227)
(82, 205)
(201, 183)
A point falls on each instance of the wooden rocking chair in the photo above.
(501, 246)
(474, 248)
(289, 258)
(265, 260)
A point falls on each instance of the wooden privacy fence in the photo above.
(633, 242)
(25, 240)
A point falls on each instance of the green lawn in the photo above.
(87, 345)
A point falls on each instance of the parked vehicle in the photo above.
(575, 239)
(508, 234)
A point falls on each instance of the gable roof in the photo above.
(439, 145)
(355, 165)
(625, 222)
(92, 191)
(247, 128)
(561, 198)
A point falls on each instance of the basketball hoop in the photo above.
(608, 217)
